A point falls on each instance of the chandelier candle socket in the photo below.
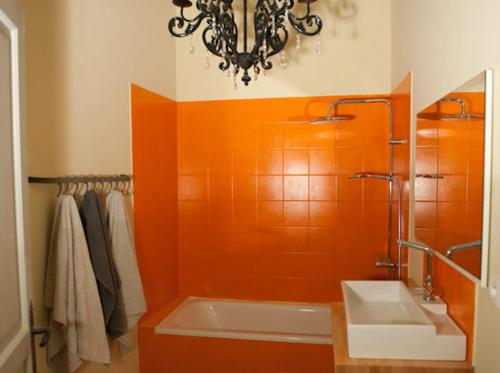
(220, 35)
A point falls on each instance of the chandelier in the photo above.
(221, 32)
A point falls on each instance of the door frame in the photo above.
(19, 347)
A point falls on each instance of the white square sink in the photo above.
(386, 320)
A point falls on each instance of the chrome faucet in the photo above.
(428, 283)
(463, 246)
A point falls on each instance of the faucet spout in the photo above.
(428, 283)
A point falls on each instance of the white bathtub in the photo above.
(263, 321)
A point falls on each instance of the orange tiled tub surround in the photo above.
(154, 134)
(266, 209)
(449, 210)
(183, 354)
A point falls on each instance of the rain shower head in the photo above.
(449, 117)
(463, 115)
(332, 119)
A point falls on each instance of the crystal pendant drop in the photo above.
(191, 45)
(283, 62)
(235, 79)
(319, 51)
(298, 45)
(207, 60)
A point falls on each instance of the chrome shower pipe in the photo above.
(391, 180)
(463, 246)
(457, 100)
(392, 142)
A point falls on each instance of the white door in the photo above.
(14, 312)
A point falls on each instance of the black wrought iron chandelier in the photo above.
(220, 35)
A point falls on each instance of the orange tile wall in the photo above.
(449, 210)
(266, 208)
(154, 147)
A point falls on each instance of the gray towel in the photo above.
(71, 296)
(93, 217)
(131, 295)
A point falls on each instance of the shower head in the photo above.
(449, 117)
(332, 119)
(462, 115)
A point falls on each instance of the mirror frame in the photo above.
(488, 157)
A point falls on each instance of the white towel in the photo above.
(131, 293)
(75, 313)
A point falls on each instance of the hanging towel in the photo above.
(131, 295)
(94, 222)
(71, 296)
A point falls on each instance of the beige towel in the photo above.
(75, 314)
(131, 294)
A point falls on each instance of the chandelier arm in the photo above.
(309, 24)
(186, 26)
(310, 27)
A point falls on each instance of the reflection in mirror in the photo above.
(449, 175)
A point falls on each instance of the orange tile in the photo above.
(192, 162)
(270, 213)
(220, 187)
(244, 212)
(270, 188)
(452, 161)
(296, 162)
(322, 239)
(192, 187)
(296, 213)
(321, 161)
(296, 136)
(349, 189)
(451, 214)
(425, 189)
(296, 188)
(270, 162)
(244, 136)
(348, 160)
(322, 188)
(322, 136)
(322, 213)
(427, 161)
(376, 159)
(245, 187)
(349, 214)
(452, 188)
(296, 238)
(270, 136)
(220, 162)
(244, 162)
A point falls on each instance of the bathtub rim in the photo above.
(238, 335)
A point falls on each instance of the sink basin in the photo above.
(386, 320)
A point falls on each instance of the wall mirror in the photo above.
(453, 172)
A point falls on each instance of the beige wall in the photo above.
(359, 65)
(446, 43)
(80, 57)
